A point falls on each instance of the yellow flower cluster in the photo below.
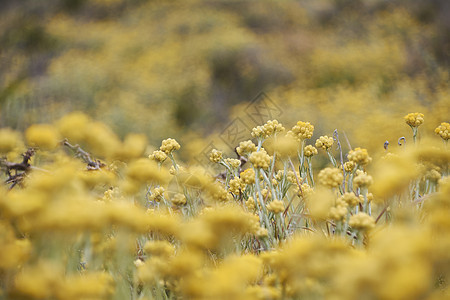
(158, 156)
(43, 136)
(9, 140)
(302, 130)
(349, 166)
(276, 206)
(159, 248)
(157, 194)
(361, 221)
(331, 177)
(169, 145)
(362, 179)
(359, 156)
(236, 184)
(292, 177)
(310, 151)
(260, 159)
(179, 199)
(350, 199)
(233, 240)
(233, 162)
(215, 155)
(248, 176)
(268, 129)
(246, 148)
(443, 131)
(339, 211)
(414, 119)
(324, 142)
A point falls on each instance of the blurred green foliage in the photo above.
(167, 68)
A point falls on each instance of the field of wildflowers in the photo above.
(141, 156)
(85, 215)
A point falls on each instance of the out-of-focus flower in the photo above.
(331, 177)
(276, 206)
(361, 221)
(43, 136)
(9, 140)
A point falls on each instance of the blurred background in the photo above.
(185, 69)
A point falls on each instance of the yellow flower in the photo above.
(159, 248)
(331, 177)
(215, 156)
(414, 119)
(349, 166)
(233, 163)
(268, 129)
(236, 185)
(9, 140)
(248, 176)
(158, 156)
(169, 145)
(324, 142)
(310, 150)
(276, 206)
(339, 211)
(303, 130)
(359, 156)
(157, 194)
(179, 199)
(350, 199)
(43, 136)
(362, 179)
(260, 159)
(246, 147)
(361, 221)
(443, 131)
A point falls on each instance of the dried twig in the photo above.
(86, 157)
(20, 169)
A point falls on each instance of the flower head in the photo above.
(331, 177)
(248, 176)
(361, 221)
(246, 147)
(268, 129)
(303, 130)
(260, 159)
(443, 131)
(42, 135)
(169, 145)
(310, 151)
(359, 156)
(414, 119)
(324, 142)
(158, 156)
(276, 206)
(362, 179)
(215, 155)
